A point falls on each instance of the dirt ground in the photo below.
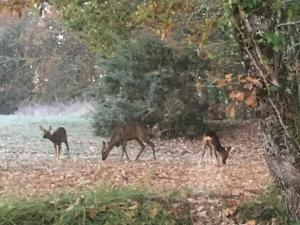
(27, 167)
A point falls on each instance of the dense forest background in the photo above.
(136, 73)
(41, 63)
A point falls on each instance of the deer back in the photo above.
(128, 131)
(123, 133)
(57, 137)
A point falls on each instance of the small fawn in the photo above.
(57, 137)
(211, 140)
(121, 134)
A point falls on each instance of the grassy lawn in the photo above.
(109, 206)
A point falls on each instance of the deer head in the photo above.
(46, 133)
(104, 151)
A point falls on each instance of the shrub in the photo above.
(148, 80)
(265, 208)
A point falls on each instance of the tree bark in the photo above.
(283, 158)
(282, 152)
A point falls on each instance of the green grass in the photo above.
(28, 124)
(108, 206)
(265, 208)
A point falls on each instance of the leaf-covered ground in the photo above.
(27, 166)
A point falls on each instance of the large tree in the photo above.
(268, 36)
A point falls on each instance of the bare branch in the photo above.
(288, 23)
(280, 118)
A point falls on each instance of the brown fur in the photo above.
(57, 137)
(121, 134)
(211, 139)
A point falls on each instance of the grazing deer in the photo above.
(121, 134)
(57, 137)
(211, 140)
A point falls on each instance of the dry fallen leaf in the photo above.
(221, 82)
(237, 95)
(251, 101)
(228, 212)
(250, 222)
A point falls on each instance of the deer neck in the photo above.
(54, 139)
(106, 151)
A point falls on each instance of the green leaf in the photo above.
(275, 40)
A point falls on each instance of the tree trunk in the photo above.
(283, 158)
(282, 152)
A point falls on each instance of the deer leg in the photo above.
(216, 157)
(59, 150)
(210, 151)
(224, 157)
(203, 152)
(145, 139)
(124, 150)
(55, 151)
(142, 146)
(67, 145)
(123, 147)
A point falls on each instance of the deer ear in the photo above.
(50, 128)
(103, 143)
(42, 128)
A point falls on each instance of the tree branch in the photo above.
(288, 23)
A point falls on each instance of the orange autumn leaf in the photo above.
(237, 95)
(250, 222)
(221, 82)
(254, 81)
(257, 83)
(251, 101)
(228, 77)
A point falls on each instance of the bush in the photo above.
(150, 81)
(16, 77)
(267, 207)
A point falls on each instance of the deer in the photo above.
(56, 137)
(211, 139)
(121, 134)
